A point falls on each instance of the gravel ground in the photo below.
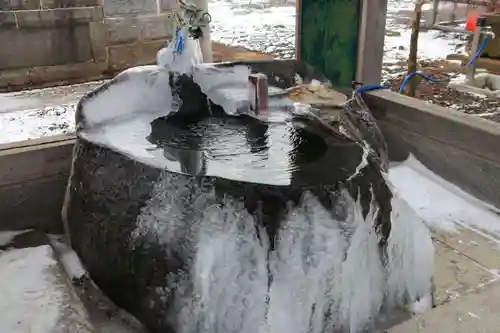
(440, 94)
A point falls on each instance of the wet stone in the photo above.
(148, 190)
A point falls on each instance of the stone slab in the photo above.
(455, 274)
(482, 248)
(472, 90)
(477, 312)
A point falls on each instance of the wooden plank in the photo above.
(459, 130)
(371, 41)
(35, 159)
(33, 204)
(36, 142)
(327, 37)
(460, 148)
(33, 178)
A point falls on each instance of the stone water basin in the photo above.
(196, 219)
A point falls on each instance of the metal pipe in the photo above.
(481, 23)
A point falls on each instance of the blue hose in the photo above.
(409, 76)
(370, 88)
(425, 77)
(478, 53)
(179, 45)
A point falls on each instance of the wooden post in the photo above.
(371, 41)
(342, 38)
(205, 41)
(412, 57)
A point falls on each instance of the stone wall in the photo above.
(48, 41)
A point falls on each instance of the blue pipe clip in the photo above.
(179, 41)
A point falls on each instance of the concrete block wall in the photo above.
(70, 40)
(46, 37)
(44, 4)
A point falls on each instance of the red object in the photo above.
(470, 24)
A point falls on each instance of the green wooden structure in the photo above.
(332, 35)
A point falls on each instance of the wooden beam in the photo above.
(33, 177)
(371, 41)
(460, 148)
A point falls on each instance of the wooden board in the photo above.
(33, 177)
(460, 148)
(327, 37)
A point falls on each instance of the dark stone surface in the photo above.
(109, 190)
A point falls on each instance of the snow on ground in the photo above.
(41, 112)
(68, 258)
(31, 297)
(104, 315)
(36, 123)
(263, 25)
(269, 26)
(442, 205)
(7, 236)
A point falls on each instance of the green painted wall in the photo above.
(329, 37)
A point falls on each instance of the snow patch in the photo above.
(69, 259)
(139, 90)
(442, 205)
(422, 306)
(30, 295)
(7, 236)
(225, 86)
